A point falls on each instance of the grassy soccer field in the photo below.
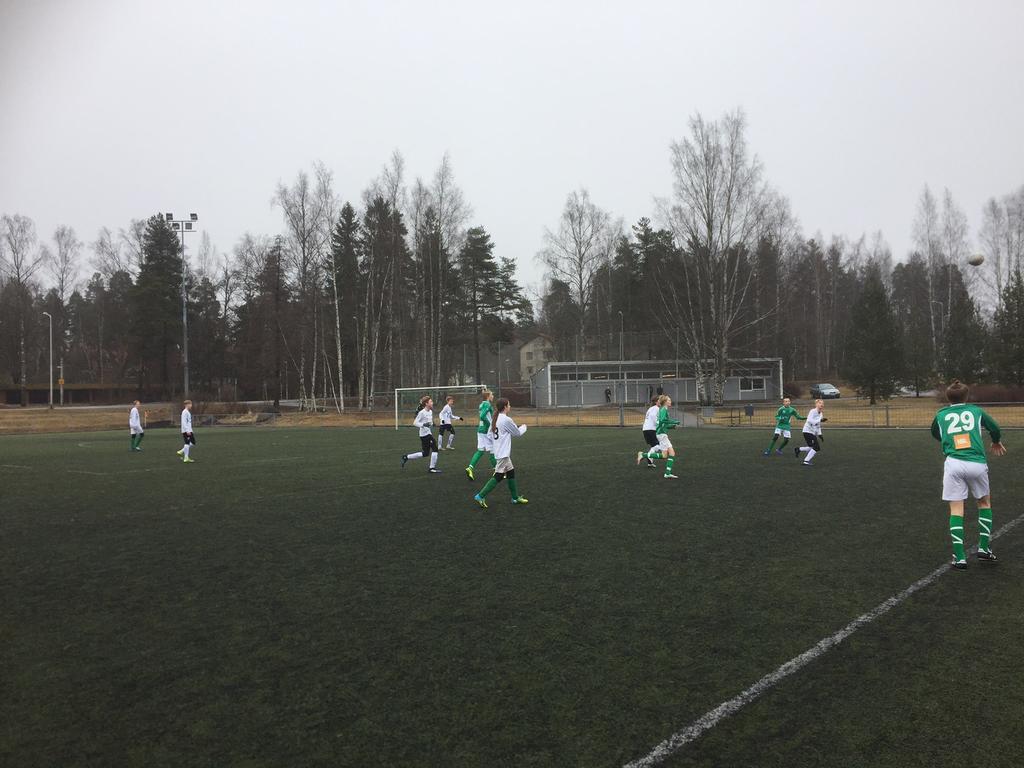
(294, 598)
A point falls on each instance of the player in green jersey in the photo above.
(782, 419)
(664, 449)
(484, 442)
(958, 428)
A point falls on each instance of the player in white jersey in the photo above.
(812, 432)
(424, 421)
(187, 436)
(503, 429)
(135, 427)
(447, 417)
(650, 429)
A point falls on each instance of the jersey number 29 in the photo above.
(962, 421)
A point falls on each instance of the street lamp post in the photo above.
(621, 334)
(50, 318)
(182, 226)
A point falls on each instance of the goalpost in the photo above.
(467, 398)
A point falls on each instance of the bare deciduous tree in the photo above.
(21, 262)
(110, 255)
(928, 239)
(579, 247)
(62, 261)
(717, 211)
(307, 206)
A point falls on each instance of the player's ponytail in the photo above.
(500, 409)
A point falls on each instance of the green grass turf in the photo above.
(294, 598)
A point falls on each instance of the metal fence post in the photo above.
(887, 415)
(622, 415)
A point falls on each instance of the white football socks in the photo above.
(433, 459)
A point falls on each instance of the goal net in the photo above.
(467, 399)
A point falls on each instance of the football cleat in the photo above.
(651, 464)
(180, 453)
(469, 473)
(807, 464)
(404, 459)
(960, 565)
(987, 554)
(639, 457)
(766, 453)
(778, 451)
(188, 460)
(670, 477)
(480, 501)
(521, 500)
(796, 451)
(434, 471)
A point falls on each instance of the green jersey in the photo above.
(783, 415)
(484, 425)
(665, 422)
(958, 428)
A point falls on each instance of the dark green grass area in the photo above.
(295, 598)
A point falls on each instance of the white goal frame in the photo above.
(436, 393)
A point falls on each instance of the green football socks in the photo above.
(785, 442)
(494, 461)
(488, 487)
(476, 458)
(513, 487)
(984, 527)
(668, 466)
(772, 443)
(956, 533)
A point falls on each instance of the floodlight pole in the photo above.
(183, 226)
(622, 331)
(50, 318)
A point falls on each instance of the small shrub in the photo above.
(792, 389)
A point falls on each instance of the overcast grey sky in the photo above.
(116, 109)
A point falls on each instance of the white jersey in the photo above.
(425, 421)
(812, 424)
(651, 418)
(507, 429)
(134, 421)
(186, 421)
(446, 414)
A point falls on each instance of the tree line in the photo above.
(402, 287)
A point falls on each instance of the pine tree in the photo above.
(873, 356)
(157, 302)
(1007, 335)
(963, 334)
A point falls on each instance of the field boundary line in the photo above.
(710, 719)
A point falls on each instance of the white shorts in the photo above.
(484, 442)
(135, 430)
(504, 465)
(959, 477)
(664, 444)
(784, 432)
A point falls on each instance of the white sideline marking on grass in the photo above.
(710, 719)
(13, 466)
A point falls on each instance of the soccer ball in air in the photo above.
(975, 259)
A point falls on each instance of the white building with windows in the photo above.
(602, 382)
(534, 355)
